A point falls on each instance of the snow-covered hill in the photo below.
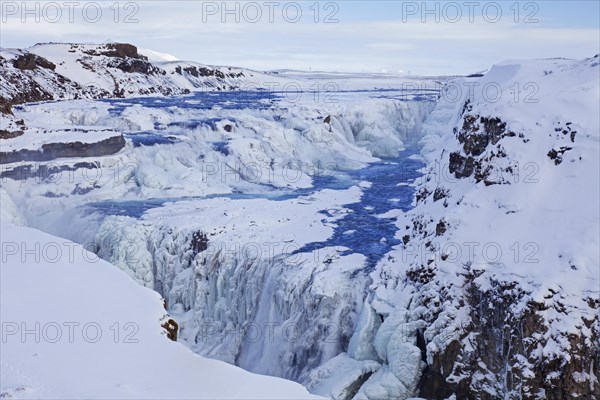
(74, 327)
(66, 71)
(496, 290)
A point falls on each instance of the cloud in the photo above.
(353, 44)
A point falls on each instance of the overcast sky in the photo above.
(395, 36)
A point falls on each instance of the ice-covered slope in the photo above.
(74, 326)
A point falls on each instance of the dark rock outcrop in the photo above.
(31, 61)
(172, 329)
(4, 134)
(170, 326)
(481, 150)
(199, 242)
(51, 151)
(440, 193)
(207, 72)
(123, 50)
(557, 155)
(476, 136)
(20, 85)
(502, 357)
(43, 171)
(136, 66)
(119, 50)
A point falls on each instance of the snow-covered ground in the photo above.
(73, 327)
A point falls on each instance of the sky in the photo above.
(405, 37)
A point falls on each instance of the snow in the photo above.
(98, 333)
(545, 198)
(354, 334)
(335, 379)
(67, 64)
(156, 56)
(342, 81)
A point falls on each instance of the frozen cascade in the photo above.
(285, 316)
(383, 359)
(283, 313)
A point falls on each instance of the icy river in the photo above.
(386, 185)
(174, 231)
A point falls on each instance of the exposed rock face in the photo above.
(120, 50)
(497, 352)
(479, 135)
(4, 134)
(207, 72)
(31, 78)
(557, 155)
(50, 151)
(199, 242)
(172, 328)
(476, 136)
(5, 106)
(29, 91)
(509, 346)
(42, 171)
(31, 61)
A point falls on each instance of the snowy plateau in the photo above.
(178, 230)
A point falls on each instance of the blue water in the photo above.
(227, 100)
(221, 147)
(149, 138)
(258, 99)
(361, 230)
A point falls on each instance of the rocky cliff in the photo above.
(69, 72)
(500, 263)
(64, 71)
